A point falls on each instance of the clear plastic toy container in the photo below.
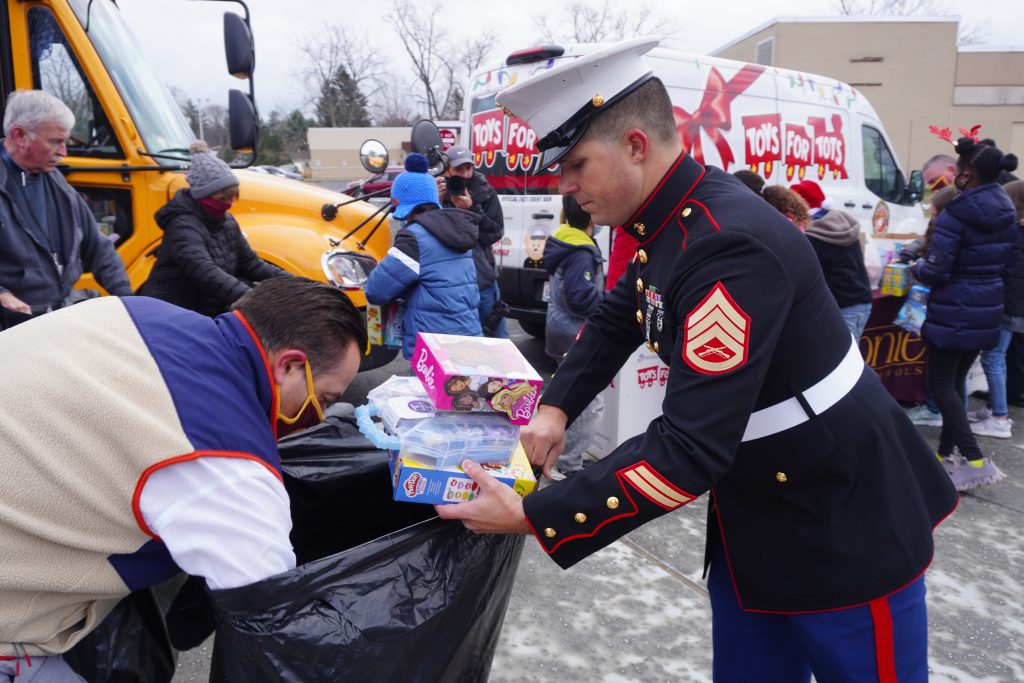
(446, 439)
(396, 386)
(399, 413)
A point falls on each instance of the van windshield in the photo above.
(505, 151)
(156, 115)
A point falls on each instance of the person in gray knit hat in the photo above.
(204, 263)
(207, 174)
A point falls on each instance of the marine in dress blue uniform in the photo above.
(823, 494)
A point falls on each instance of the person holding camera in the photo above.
(465, 188)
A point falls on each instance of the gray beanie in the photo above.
(208, 174)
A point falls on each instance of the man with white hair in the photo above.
(48, 236)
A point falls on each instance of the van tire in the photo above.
(533, 328)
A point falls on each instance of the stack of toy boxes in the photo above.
(896, 279)
(478, 390)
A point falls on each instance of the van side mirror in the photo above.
(238, 46)
(243, 125)
(915, 188)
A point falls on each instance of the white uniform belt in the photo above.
(820, 397)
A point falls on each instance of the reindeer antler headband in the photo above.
(947, 133)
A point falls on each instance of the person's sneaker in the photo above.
(921, 415)
(995, 427)
(951, 463)
(979, 415)
(967, 476)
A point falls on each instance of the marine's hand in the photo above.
(544, 438)
(496, 510)
(13, 303)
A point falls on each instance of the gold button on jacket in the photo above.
(612, 503)
(639, 285)
(642, 256)
(640, 317)
(580, 518)
(549, 532)
(781, 477)
(686, 212)
(640, 228)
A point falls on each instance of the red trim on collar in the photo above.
(274, 398)
(652, 195)
(674, 210)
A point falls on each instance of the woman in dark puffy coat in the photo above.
(204, 263)
(964, 266)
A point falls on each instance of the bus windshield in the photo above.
(156, 115)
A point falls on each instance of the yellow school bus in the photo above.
(128, 152)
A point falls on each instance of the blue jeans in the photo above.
(488, 296)
(994, 362)
(856, 317)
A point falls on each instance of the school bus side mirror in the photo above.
(242, 122)
(238, 46)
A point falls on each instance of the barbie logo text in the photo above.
(426, 371)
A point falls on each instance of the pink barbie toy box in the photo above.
(476, 374)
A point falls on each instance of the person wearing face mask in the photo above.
(49, 235)
(463, 187)
(204, 263)
(964, 265)
(161, 457)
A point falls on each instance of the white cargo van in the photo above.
(784, 125)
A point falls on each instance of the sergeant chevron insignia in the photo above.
(653, 486)
(717, 334)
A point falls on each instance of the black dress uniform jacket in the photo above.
(833, 512)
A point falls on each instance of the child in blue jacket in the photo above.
(576, 271)
(430, 265)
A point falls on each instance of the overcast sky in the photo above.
(184, 40)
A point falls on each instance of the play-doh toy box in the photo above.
(476, 374)
(415, 482)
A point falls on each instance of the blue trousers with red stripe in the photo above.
(884, 641)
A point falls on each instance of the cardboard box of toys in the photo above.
(476, 374)
(415, 482)
(896, 280)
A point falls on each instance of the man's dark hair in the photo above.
(574, 215)
(293, 312)
(648, 108)
(750, 179)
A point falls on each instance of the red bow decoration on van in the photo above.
(947, 133)
(714, 115)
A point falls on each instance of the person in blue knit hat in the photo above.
(430, 266)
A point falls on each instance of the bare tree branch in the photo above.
(900, 8)
(439, 64)
(590, 23)
(392, 105)
(334, 48)
(972, 34)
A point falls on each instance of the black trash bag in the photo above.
(384, 591)
(132, 644)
